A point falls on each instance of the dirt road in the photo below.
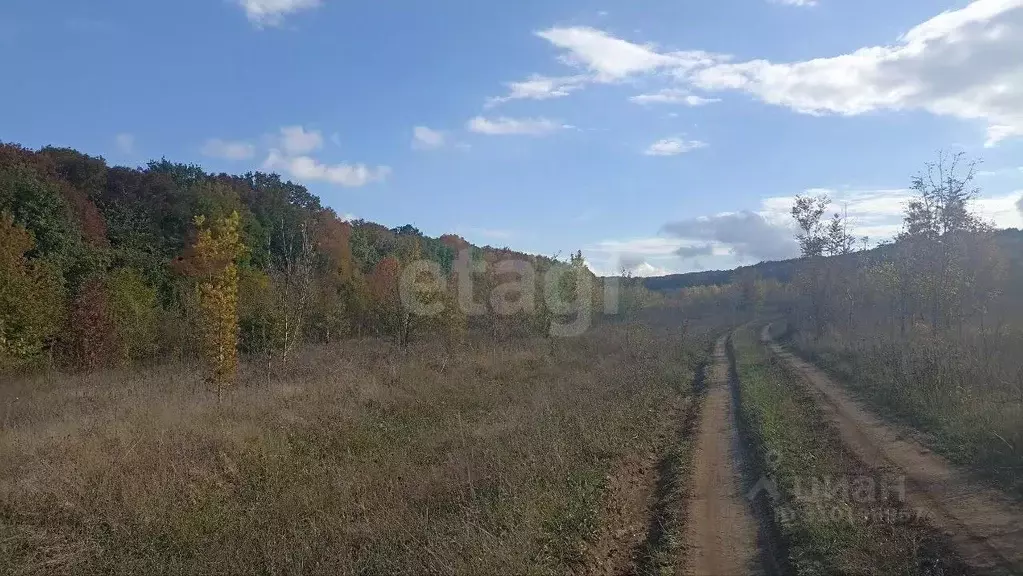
(984, 526)
(721, 532)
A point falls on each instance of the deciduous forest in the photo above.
(111, 266)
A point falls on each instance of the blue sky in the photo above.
(663, 135)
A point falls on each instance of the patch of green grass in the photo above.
(827, 529)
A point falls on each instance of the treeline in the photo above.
(103, 265)
(946, 273)
(928, 327)
(782, 271)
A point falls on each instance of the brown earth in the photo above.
(982, 524)
(633, 509)
(629, 503)
(721, 532)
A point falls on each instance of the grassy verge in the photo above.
(936, 388)
(835, 516)
(357, 458)
(663, 552)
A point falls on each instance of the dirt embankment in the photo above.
(983, 525)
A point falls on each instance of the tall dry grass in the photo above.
(964, 391)
(355, 458)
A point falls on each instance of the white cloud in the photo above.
(646, 269)
(1004, 211)
(610, 59)
(424, 138)
(1009, 171)
(873, 213)
(673, 147)
(672, 96)
(539, 87)
(878, 214)
(272, 12)
(605, 58)
(125, 143)
(640, 256)
(506, 126)
(217, 148)
(648, 248)
(296, 140)
(795, 2)
(306, 168)
(652, 256)
(963, 63)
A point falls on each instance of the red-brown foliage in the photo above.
(91, 337)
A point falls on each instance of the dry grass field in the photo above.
(355, 458)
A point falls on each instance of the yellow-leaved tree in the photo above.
(217, 250)
(31, 298)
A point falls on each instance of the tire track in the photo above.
(982, 524)
(721, 532)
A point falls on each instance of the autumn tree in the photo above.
(807, 212)
(837, 239)
(945, 249)
(31, 299)
(135, 312)
(819, 279)
(291, 272)
(90, 340)
(751, 290)
(217, 249)
(386, 301)
(568, 296)
(332, 309)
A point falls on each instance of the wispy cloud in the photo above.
(272, 12)
(962, 63)
(539, 87)
(296, 140)
(228, 150)
(610, 59)
(292, 152)
(673, 147)
(306, 168)
(672, 96)
(803, 3)
(513, 126)
(125, 143)
(424, 138)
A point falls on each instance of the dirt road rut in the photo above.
(983, 525)
(721, 532)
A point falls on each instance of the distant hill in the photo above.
(782, 271)
(1010, 240)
